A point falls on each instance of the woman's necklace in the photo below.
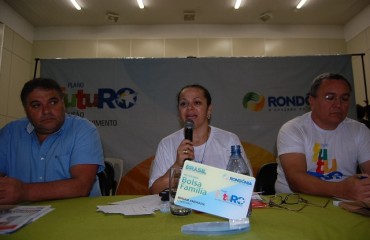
(205, 145)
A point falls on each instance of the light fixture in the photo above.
(140, 3)
(189, 15)
(237, 4)
(111, 16)
(301, 3)
(75, 4)
(266, 16)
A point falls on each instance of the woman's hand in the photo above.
(184, 151)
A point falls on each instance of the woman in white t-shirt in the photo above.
(210, 145)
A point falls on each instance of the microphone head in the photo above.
(189, 124)
(188, 129)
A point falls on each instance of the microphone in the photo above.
(188, 129)
(188, 132)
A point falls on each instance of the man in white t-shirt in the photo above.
(320, 151)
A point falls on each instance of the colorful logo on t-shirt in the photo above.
(323, 171)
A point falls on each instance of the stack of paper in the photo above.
(13, 217)
(137, 206)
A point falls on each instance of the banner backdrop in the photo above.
(133, 101)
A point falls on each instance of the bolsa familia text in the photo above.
(192, 185)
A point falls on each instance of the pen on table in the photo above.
(361, 177)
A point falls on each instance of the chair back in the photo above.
(265, 179)
(135, 182)
(106, 180)
(117, 164)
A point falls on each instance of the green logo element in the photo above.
(253, 101)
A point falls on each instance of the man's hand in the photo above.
(355, 188)
(11, 190)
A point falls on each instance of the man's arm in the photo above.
(295, 169)
(79, 185)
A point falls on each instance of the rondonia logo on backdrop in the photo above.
(256, 102)
(78, 99)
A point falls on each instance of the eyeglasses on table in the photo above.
(282, 200)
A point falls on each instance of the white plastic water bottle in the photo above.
(237, 164)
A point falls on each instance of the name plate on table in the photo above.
(214, 191)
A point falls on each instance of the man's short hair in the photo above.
(43, 83)
(316, 83)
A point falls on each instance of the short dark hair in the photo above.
(44, 83)
(316, 83)
(206, 93)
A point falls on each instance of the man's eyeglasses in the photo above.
(281, 201)
(333, 98)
